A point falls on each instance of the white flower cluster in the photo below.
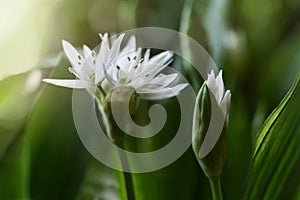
(114, 67)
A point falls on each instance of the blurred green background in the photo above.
(255, 42)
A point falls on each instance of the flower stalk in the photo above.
(215, 186)
(118, 138)
(127, 176)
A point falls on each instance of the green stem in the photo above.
(127, 176)
(118, 140)
(216, 188)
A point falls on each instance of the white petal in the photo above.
(162, 93)
(130, 46)
(86, 51)
(212, 85)
(72, 54)
(77, 84)
(161, 58)
(220, 85)
(150, 86)
(99, 73)
(129, 61)
(225, 104)
(211, 78)
(114, 72)
(147, 72)
(143, 74)
(161, 81)
(151, 69)
(111, 75)
(104, 50)
(147, 56)
(115, 48)
(89, 65)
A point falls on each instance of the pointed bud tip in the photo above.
(64, 43)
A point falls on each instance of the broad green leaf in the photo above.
(17, 99)
(14, 170)
(58, 158)
(277, 153)
(61, 167)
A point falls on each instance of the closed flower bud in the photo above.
(212, 163)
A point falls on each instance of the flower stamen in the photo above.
(71, 70)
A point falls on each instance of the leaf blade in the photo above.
(276, 152)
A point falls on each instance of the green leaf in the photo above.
(58, 158)
(61, 167)
(277, 153)
(14, 173)
(18, 96)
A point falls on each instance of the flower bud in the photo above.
(213, 162)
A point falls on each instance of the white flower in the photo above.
(143, 75)
(114, 67)
(88, 67)
(216, 86)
